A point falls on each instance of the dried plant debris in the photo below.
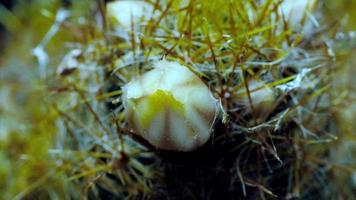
(266, 75)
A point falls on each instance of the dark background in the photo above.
(3, 33)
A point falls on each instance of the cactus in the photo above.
(254, 91)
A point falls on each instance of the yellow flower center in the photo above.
(157, 102)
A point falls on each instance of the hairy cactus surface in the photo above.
(177, 99)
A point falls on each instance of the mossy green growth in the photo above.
(156, 103)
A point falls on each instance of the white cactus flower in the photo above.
(125, 12)
(170, 107)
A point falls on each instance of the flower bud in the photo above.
(294, 11)
(170, 107)
(125, 12)
(262, 96)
